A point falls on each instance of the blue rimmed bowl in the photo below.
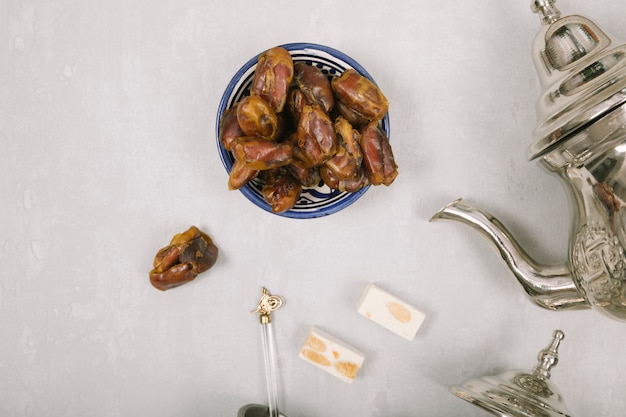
(317, 201)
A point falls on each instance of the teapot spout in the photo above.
(550, 287)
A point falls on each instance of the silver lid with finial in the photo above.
(519, 393)
(582, 71)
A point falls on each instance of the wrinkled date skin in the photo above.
(360, 95)
(273, 76)
(240, 175)
(378, 160)
(343, 165)
(307, 176)
(315, 86)
(350, 115)
(296, 100)
(349, 138)
(257, 118)
(189, 254)
(229, 128)
(349, 185)
(316, 135)
(260, 154)
(281, 190)
(344, 168)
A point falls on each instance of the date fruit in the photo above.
(350, 115)
(315, 86)
(240, 175)
(349, 185)
(307, 176)
(316, 135)
(360, 95)
(296, 100)
(189, 254)
(380, 165)
(260, 154)
(229, 128)
(257, 118)
(273, 76)
(281, 190)
(349, 139)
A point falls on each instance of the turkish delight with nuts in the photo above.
(331, 354)
(390, 312)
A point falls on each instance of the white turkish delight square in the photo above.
(390, 312)
(331, 354)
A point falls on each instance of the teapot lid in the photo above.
(519, 393)
(582, 71)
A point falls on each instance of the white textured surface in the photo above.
(107, 115)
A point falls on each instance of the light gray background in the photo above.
(107, 117)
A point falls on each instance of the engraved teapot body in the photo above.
(597, 179)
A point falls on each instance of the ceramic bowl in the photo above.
(316, 201)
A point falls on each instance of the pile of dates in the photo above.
(299, 126)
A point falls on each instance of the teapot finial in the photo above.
(548, 357)
(547, 9)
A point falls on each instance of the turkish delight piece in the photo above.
(390, 312)
(331, 354)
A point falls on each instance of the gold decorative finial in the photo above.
(267, 304)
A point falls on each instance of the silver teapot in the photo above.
(580, 136)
